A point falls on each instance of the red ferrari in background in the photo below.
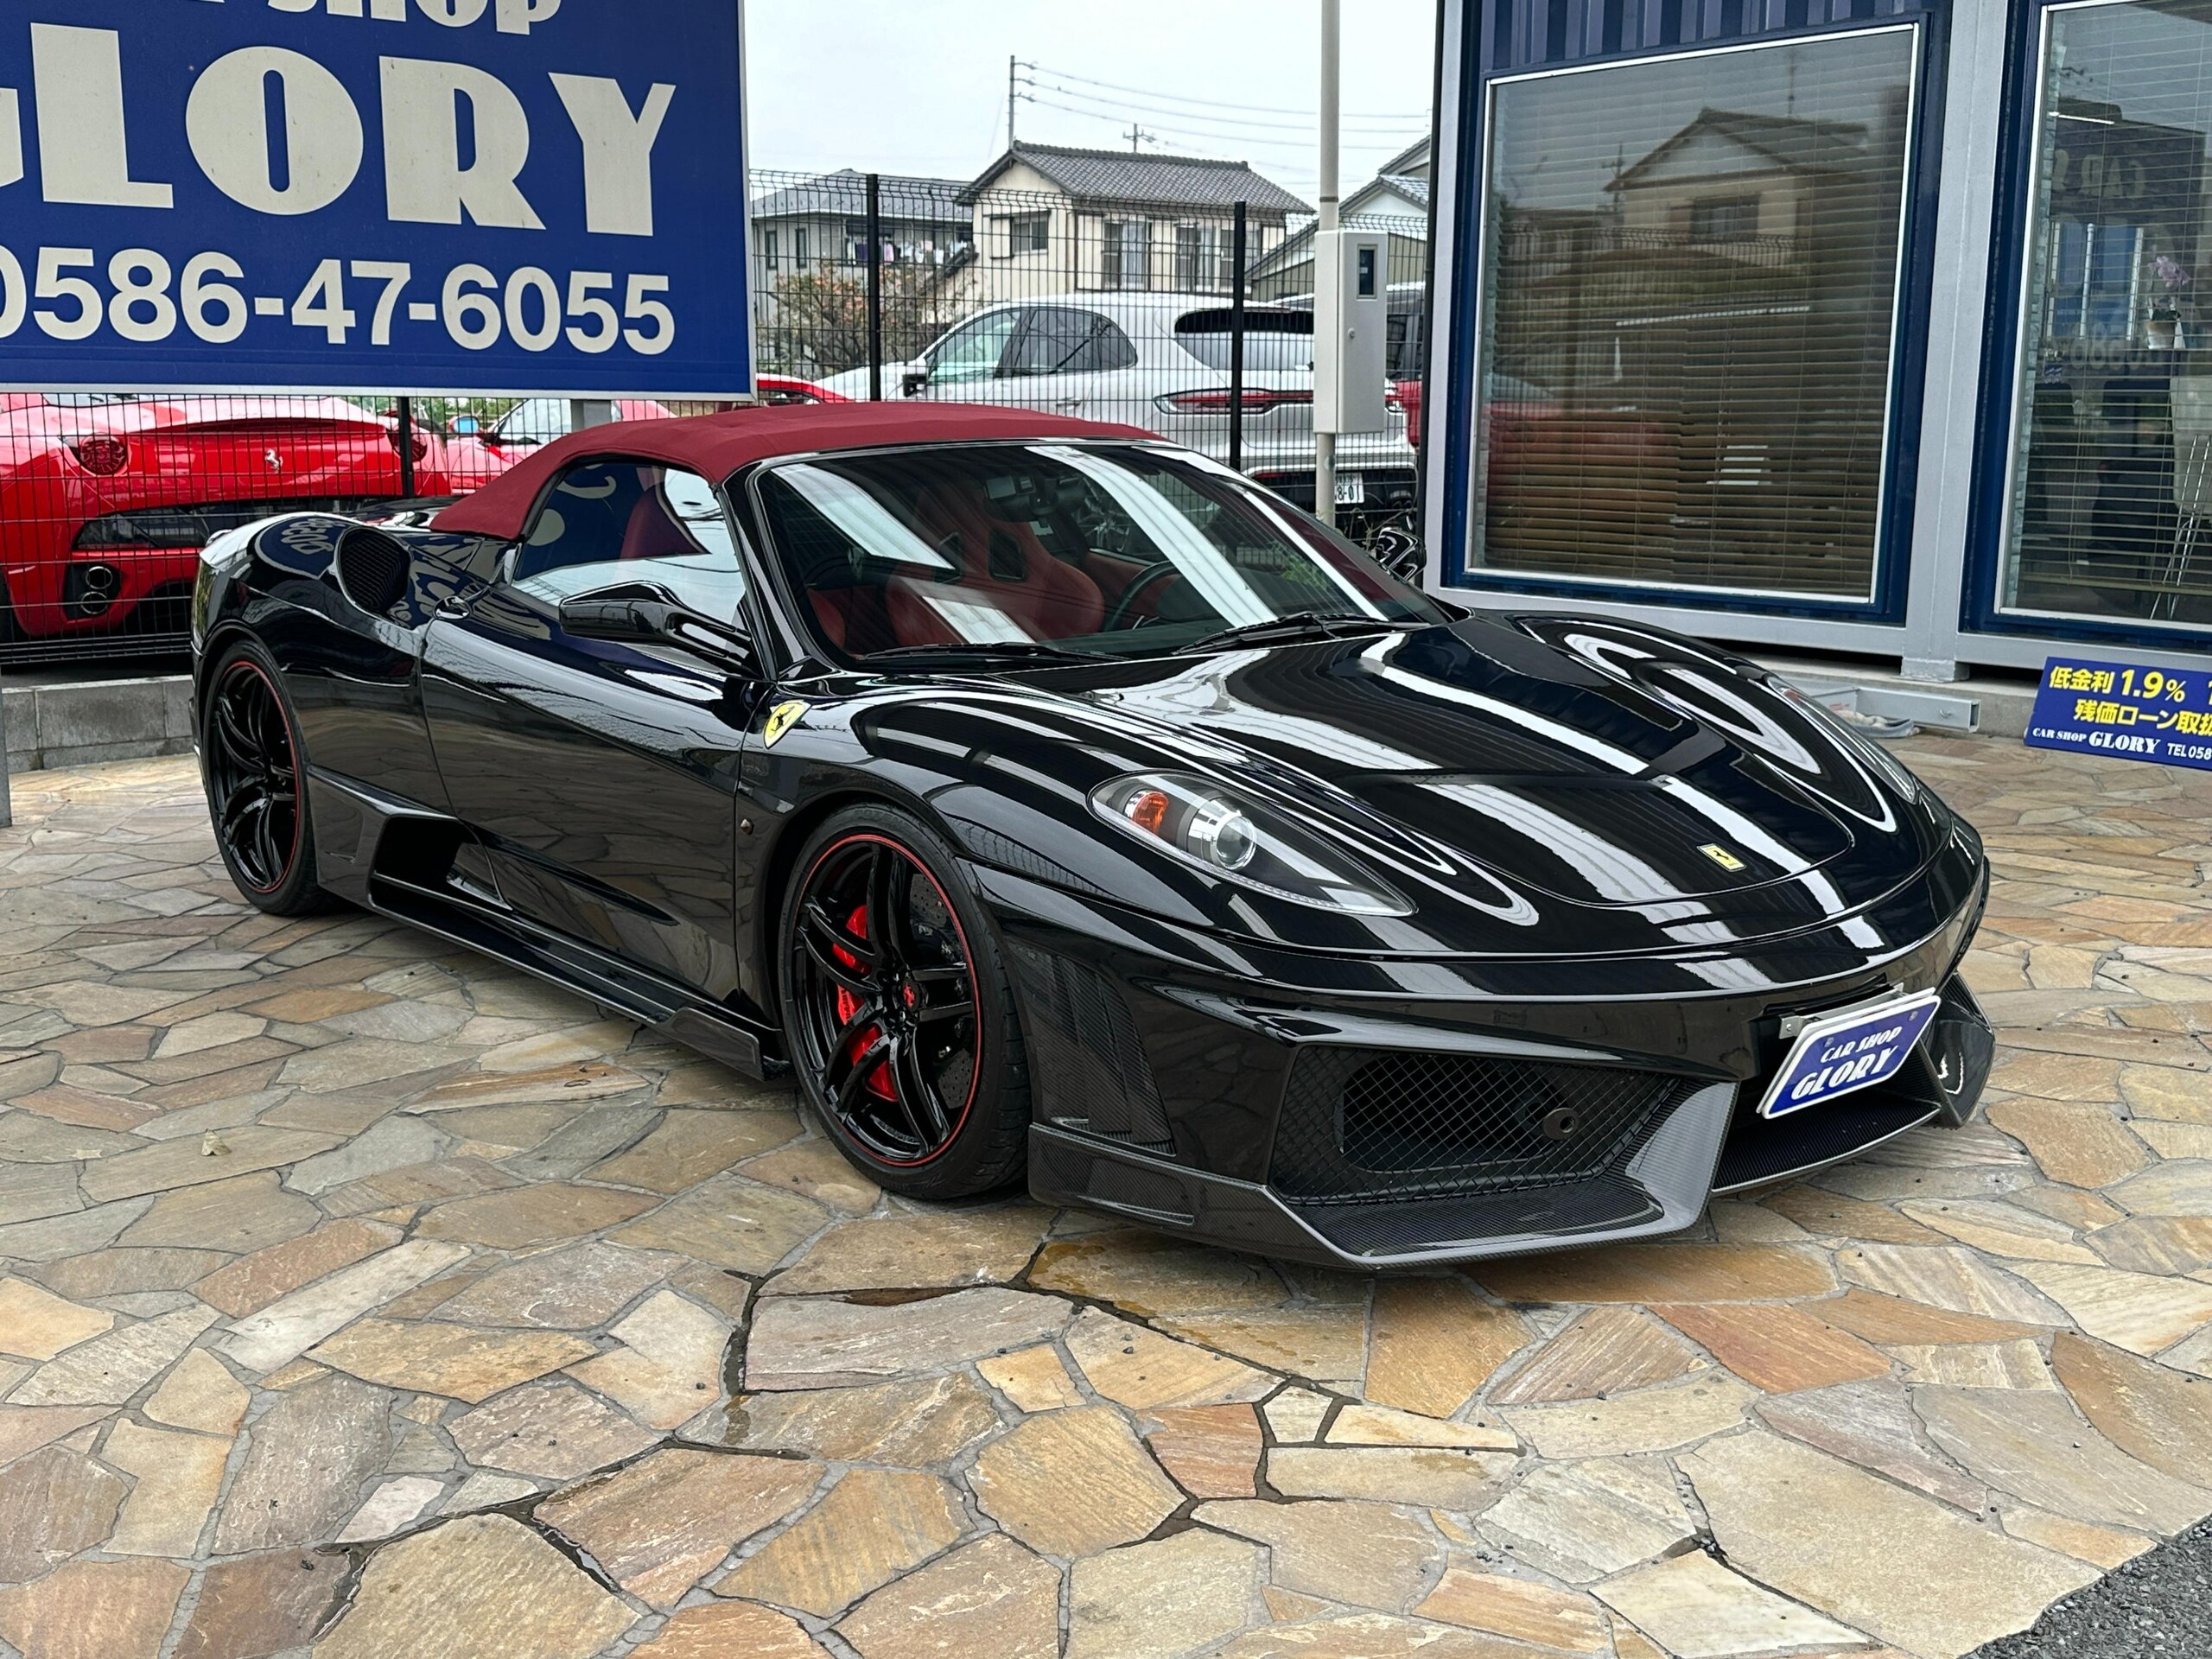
(105, 502)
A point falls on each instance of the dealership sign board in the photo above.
(2126, 710)
(485, 195)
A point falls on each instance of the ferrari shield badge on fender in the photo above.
(1721, 855)
(781, 718)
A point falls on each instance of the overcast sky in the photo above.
(919, 85)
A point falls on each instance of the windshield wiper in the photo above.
(980, 651)
(1298, 625)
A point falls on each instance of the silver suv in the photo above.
(1158, 361)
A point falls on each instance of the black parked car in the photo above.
(1053, 802)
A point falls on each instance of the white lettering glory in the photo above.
(433, 174)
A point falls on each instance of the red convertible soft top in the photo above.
(714, 445)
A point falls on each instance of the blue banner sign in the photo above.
(2118, 709)
(526, 196)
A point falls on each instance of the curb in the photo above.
(85, 724)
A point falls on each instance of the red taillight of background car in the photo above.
(1214, 400)
(1405, 395)
(103, 457)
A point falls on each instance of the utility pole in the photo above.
(1324, 247)
(1137, 135)
(1237, 266)
(1010, 67)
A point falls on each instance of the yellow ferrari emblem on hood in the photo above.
(1726, 859)
(781, 718)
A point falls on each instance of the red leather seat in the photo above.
(1001, 567)
(854, 618)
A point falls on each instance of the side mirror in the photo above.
(914, 382)
(465, 426)
(641, 614)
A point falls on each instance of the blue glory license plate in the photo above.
(1849, 1052)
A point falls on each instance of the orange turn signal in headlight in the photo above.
(1148, 810)
(1228, 834)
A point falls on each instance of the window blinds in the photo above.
(1690, 293)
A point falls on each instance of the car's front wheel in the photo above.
(256, 785)
(901, 1023)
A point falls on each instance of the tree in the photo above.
(816, 322)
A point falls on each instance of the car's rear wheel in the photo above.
(257, 795)
(896, 1003)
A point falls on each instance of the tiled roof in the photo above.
(1788, 141)
(1414, 156)
(1411, 186)
(845, 192)
(1111, 176)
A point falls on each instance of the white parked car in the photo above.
(1158, 361)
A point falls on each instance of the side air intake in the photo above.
(371, 570)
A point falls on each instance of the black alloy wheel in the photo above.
(898, 1012)
(255, 789)
(888, 999)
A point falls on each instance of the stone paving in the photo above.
(364, 1298)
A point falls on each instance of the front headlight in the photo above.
(1218, 831)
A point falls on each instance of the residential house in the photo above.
(1746, 188)
(809, 256)
(1394, 201)
(1048, 219)
(820, 224)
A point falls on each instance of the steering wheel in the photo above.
(1150, 576)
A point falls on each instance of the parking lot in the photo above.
(364, 1298)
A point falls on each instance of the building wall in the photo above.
(2119, 436)
(1079, 259)
(1291, 278)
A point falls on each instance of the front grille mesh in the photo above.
(1364, 1125)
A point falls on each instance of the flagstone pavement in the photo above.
(364, 1298)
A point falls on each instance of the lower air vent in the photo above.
(371, 570)
(1360, 1124)
(1086, 1060)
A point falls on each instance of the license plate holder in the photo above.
(1853, 1049)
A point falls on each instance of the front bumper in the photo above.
(1325, 1123)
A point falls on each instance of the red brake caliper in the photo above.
(879, 1081)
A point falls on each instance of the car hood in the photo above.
(1588, 785)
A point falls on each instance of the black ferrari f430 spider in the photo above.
(1051, 803)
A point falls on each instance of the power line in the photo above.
(1185, 97)
(1217, 140)
(1395, 124)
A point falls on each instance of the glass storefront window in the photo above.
(1689, 296)
(2111, 482)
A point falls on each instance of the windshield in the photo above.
(1106, 550)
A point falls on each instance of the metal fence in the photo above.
(1107, 308)
(1191, 319)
